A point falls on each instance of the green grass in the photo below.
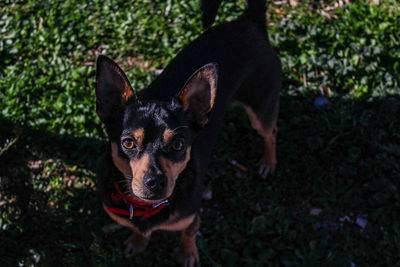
(342, 158)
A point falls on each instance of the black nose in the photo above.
(155, 183)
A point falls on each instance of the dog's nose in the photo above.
(155, 183)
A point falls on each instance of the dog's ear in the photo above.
(112, 88)
(198, 95)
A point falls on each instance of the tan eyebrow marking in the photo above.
(139, 136)
(168, 134)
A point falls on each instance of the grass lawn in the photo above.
(334, 198)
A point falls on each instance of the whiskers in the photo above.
(127, 186)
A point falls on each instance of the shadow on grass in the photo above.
(342, 158)
(47, 196)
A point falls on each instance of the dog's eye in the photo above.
(178, 145)
(128, 143)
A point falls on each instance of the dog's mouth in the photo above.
(143, 193)
(152, 197)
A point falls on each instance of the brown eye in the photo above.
(178, 145)
(128, 143)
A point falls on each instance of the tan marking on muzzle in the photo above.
(139, 169)
(173, 169)
(134, 169)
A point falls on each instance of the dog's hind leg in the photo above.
(268, 133)
(260, 97)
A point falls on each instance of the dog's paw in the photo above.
(136, 243)
(264, 169)
(189, 257)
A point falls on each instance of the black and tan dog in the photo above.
(150, 178)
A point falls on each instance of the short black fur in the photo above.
(239, 59)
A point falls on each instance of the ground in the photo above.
(334, 197)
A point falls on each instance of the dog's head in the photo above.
(151, 141)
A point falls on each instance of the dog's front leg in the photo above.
(188, 249)
(137, 242)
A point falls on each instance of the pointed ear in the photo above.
(112, 88)
(198, 95)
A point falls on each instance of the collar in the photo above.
(135, 207)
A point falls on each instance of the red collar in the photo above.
(135, 207)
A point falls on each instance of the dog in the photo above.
(150, 176)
